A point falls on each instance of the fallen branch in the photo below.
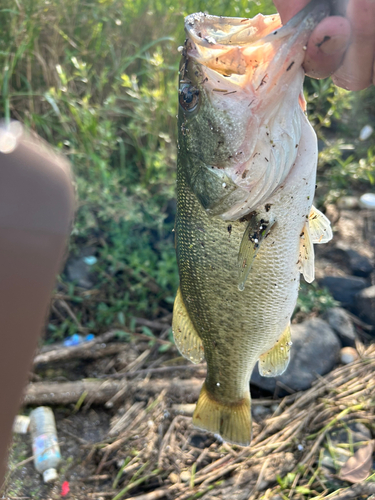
(93, 349)
(101, 391)
(356, 491)
(161, 370)
(87, 350)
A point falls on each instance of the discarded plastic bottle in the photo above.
(45, 447)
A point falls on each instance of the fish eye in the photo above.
(188, 97)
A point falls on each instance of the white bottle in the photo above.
(46, 450)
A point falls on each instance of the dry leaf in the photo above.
(358, 467)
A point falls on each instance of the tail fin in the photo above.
(231, 421)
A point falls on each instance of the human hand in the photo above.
(341, 45)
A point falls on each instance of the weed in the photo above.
(98, 80)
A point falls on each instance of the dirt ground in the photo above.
(130, 434)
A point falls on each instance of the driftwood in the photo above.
(356, 491)
(101, 391)
(88, 350)
(93, 349)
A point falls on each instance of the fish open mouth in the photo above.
(243, 48)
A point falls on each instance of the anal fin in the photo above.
(275, 361)
(256, 231)
(186, 337)
(231, 421)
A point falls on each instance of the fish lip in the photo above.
(204, 36)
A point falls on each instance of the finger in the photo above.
(326, 47)
(356, 71)
(289, 8)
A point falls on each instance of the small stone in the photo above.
(174, 478)
(348, 355)
(340, 321)
(315, 350)
(185, 476)
(260, 411)
(365, 304)
(79, 271)
(348, 202)
(344, 288)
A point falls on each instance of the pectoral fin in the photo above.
(317, 229)
(320, 226)
(275, 361)
(185, 336)
(255, 233)
(306, 255)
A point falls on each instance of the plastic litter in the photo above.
(367, 200)
(365, 132)
(65, 488)
(46, 450)
(348, 355)
(90, 260)
(77, 339)
(21, 424)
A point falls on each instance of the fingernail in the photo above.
(333, 44)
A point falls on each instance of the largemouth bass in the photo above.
(245, 224)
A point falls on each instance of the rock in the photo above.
(78, 270)
(202, 440)
(355, 263)
(348, 202)
(315, 350)
(365, 304)
(344, 288)
(360, 265)
(340, 321)
(338, 440)
(185, 476)
(260, 412)
(348, 355)
(174, 478)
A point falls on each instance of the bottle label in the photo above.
(45, 448)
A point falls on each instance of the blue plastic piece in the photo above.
(90, 261)
(78, 339)
(73, 340)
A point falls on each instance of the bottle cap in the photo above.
(21, 424)
(49, 475)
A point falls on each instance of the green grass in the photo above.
(98, 80)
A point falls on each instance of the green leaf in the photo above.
(303, 490)
(164, 347)
(147, 331)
